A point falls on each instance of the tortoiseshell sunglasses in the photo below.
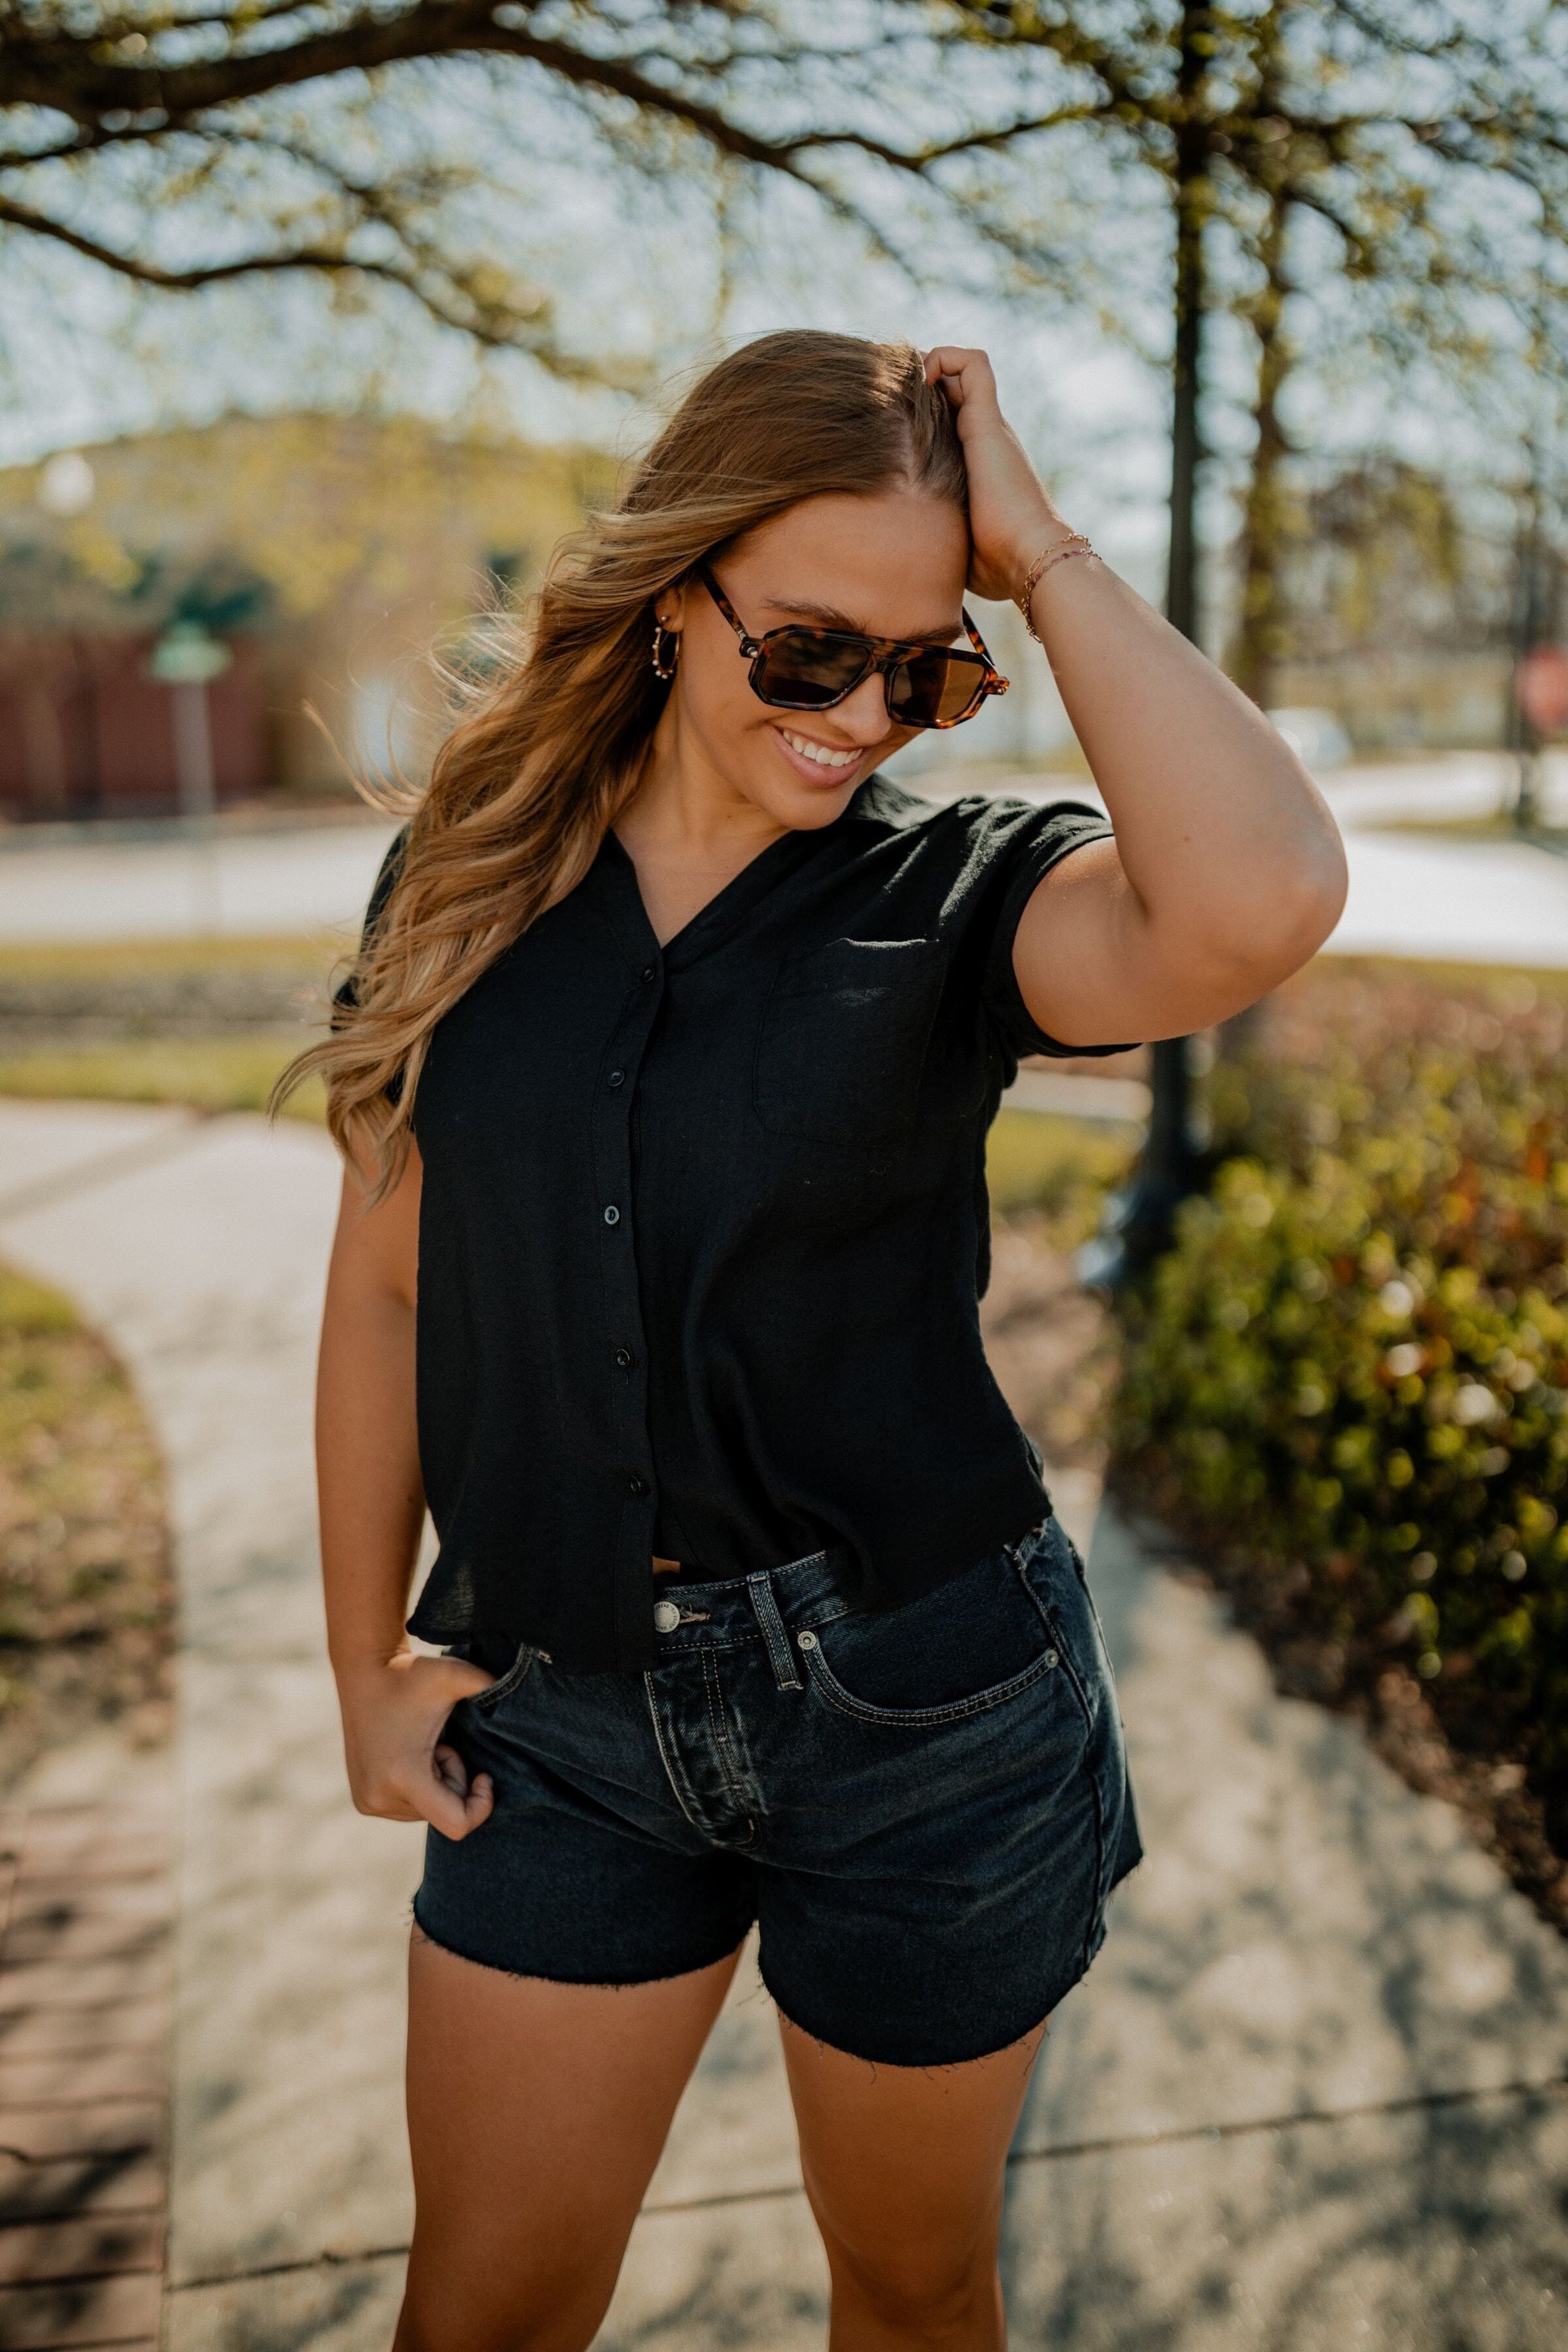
(800, 668)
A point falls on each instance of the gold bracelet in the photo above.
(1074, 544)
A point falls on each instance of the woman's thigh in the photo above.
(905, 2167)
(536, 2113)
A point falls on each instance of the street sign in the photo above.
(185, 656)
(1540, 688)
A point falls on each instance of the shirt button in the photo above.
(612, 1215)
(647, 972)
(625, 1357)
(618, 1077)
(637, 1483)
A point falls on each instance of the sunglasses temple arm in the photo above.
(995, 681)
(978, 642)
(749, 644)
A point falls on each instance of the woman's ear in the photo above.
(669, 608)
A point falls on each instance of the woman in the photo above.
(667, 1064)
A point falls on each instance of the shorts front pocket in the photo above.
(491, 1695)
(968, 1646)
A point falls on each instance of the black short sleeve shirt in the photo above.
(704, 1230)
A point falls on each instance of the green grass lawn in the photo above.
(1059, 1166)
(1055, 1165)
(86, 1597)
(212, 1074)
(1496, 825)
(121, 960)
(1035, 1160)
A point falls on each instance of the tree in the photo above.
(1401, 146)
(1423, 142)
(185, 143)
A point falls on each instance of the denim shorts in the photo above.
(924, 1809)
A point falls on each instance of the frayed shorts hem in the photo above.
(904, 2062)
(502, 1967)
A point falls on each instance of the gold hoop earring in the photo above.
(666, 648)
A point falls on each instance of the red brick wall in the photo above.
(84, 732)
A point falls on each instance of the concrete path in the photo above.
(1312, 2098)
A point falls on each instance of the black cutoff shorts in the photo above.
(925, 1807)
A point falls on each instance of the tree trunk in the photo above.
(1169, 1163)
(1191, 193)
(1262, 630)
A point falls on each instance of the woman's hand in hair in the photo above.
(1011, 517)
(400, 1768)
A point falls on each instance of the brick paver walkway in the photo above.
(86, 1906)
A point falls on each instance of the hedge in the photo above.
(1352, 1370)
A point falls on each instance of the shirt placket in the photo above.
(624, 1340)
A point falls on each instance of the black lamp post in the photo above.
(1137, 1223)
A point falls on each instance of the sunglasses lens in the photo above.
(801, 669)
(936, 689)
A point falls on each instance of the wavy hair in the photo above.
(524, 788)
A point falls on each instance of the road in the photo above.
(1411, 894)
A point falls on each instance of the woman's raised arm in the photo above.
(1228, 871)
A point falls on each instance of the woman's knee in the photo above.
(921, 2294)
(560, 2313)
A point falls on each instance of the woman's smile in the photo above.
(822, 763)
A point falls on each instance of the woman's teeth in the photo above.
(818, 752)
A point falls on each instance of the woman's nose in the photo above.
(863, 715)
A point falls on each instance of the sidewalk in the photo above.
(1312, 2098)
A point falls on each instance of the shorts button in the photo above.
(1051, 1658)
(665, 1616)
(806, 1641)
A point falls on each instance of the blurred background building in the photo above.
(305, 564)
(1398, 611)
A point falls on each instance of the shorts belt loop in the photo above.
(760, 1587)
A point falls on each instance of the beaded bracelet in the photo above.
(1074, 544)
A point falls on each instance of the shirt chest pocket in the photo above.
(843, 1042)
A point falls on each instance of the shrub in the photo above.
(1352, 1370)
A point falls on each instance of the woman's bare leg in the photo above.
(536, 2116)
(904, 2167)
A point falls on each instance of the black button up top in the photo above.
(704, 1230)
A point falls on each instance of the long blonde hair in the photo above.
(525, 787)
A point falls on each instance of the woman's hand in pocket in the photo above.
(400, 1768)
